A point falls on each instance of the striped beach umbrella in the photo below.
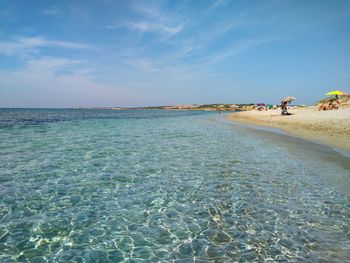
(289, 99)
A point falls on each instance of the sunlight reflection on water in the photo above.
(163, 186)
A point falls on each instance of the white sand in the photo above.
(327, 127)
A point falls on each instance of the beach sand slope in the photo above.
(326, 127)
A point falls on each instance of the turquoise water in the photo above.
(160, 186)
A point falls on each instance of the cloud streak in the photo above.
(39, 76)
(169, 48)
(151, 19)
(154, 27)
(28, 45)
(52, 11)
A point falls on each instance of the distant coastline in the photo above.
(207, 107)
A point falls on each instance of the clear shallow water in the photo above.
(132, 186)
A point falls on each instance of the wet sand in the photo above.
(326, 127)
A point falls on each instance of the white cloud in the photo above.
(149, 11)
(154, 27)
(49, 65)
(216, 4)
(38, 84)
(152, 18)
(182, 66)
(52, 11)
(27, 45)
(9, 48)
(145, 64)
(113, 26)
(234, 49)
(71, 45)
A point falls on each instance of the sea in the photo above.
(81, 185)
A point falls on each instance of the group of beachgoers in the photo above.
(331, 105)
(284, 102)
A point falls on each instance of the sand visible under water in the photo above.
(327, 127)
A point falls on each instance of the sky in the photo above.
(147, 53)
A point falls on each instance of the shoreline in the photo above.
(331, 128)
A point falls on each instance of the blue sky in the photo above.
(139, 53)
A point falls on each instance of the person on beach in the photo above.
(284, 108)
(330, 106)
(323, 106)
(335, 106)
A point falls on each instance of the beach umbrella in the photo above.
(288, 99)
(337, 92)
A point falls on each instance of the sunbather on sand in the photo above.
(334, 106)
(323, 106)
(330, 106)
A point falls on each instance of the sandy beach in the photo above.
(326, 127)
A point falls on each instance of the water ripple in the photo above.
(157, 189)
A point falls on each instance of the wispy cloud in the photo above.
(27, 45)
(215, 5)
(146, 64)
(52, 11)
(152, 18)
(148, 27)
(49, 65)
(149, 11)
(42, 77)
(199, 46)
(167, 46)
(181, 67)
(154, 27)
(234, 49)
(113, 26)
